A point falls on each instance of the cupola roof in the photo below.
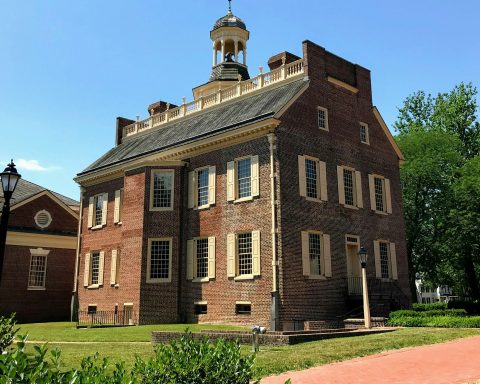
(230, 20)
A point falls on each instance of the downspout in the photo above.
(274, 308)
(77, 257)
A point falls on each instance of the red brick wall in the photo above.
(51, 304)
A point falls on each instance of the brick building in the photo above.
(248, 204)
(40, 254)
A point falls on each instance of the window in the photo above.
(349, 187)
(38, 268)
(200, 307)
(93, 271)
(92, 309)
(243, 255)
(159, 264)
(97, 211)
(380, 198)
(385, 260)
(117, 213)
(364, 133)
(201, 187)
(201, 259)
(323, 118)
(243, 179)
(243, 308)
(161, 190)
(312, 178)
(43, 219)
(316, 256)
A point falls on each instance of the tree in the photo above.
(438, 135)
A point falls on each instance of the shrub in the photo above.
(7, 331)
(196, 361)
(430, 313)
(436, 321)
(428, 307)
(472, 307)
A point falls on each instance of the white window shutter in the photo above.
(113, 267)
(302, 183)
(255, 172)
(388, 196)
(211, 257)
(191, 189)
(101, 264)
(189, 259)
(91, 201)
(305, 253)
(86, 271)
(371, 188)
(116, 212)
(104, 209)
(393, 261)
(327, 257)
(212, 176)
(376, 251)
(231, 255)
(323, 181)
(230, 181)
(256, 253)
(341, 187)
(358, 188)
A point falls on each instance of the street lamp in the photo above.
(363, 256)
(9, 178)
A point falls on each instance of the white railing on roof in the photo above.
(282, 73)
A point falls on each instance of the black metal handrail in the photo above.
(105, 318)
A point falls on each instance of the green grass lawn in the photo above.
(121, 344)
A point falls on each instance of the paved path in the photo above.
(454, 362)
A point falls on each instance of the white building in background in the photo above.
(427, 295)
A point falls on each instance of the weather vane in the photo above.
(229, 5)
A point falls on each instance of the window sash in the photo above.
(38, 271)
(202, 258)
(311, 178)
(159, 259)
(98, 206)
(244, 178)
(162, 189)
(95, 268)
(322, 119)
(315, 253)
(245, 257)
(202, 187)
(384, 260)
(379, 194)
(349, 187)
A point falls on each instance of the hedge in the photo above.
(429, 307)
(431, 313)
(436, 321)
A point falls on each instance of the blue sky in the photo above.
(69, 68)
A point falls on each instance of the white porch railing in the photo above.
(284, 72)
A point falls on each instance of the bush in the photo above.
(7, 331)
(428, 307)
(472, 307)
(196, 361)
(430, 313)
(436, 321)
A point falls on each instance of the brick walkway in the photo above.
(453, 362)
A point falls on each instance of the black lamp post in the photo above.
(363, 256)
(9, 178)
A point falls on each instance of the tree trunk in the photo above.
(470, 274)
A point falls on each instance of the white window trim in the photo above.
(92, 211)
(392, 260)
(367, 134)
(254, 179)
(87, 278)
(326, 118)
(233, 259)
(387, 198)
(322, 191)
(325, 255)
(159, 280)
(357, 187)
(193, 187)
(152, 178)
(192, 258)
(38, 252)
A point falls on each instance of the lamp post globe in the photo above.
(363, 256)
(9, 178)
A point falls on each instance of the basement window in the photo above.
(243, 309)
(92, 309)
(200, 309)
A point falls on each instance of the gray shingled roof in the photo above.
(26, 189)
(219, 119)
